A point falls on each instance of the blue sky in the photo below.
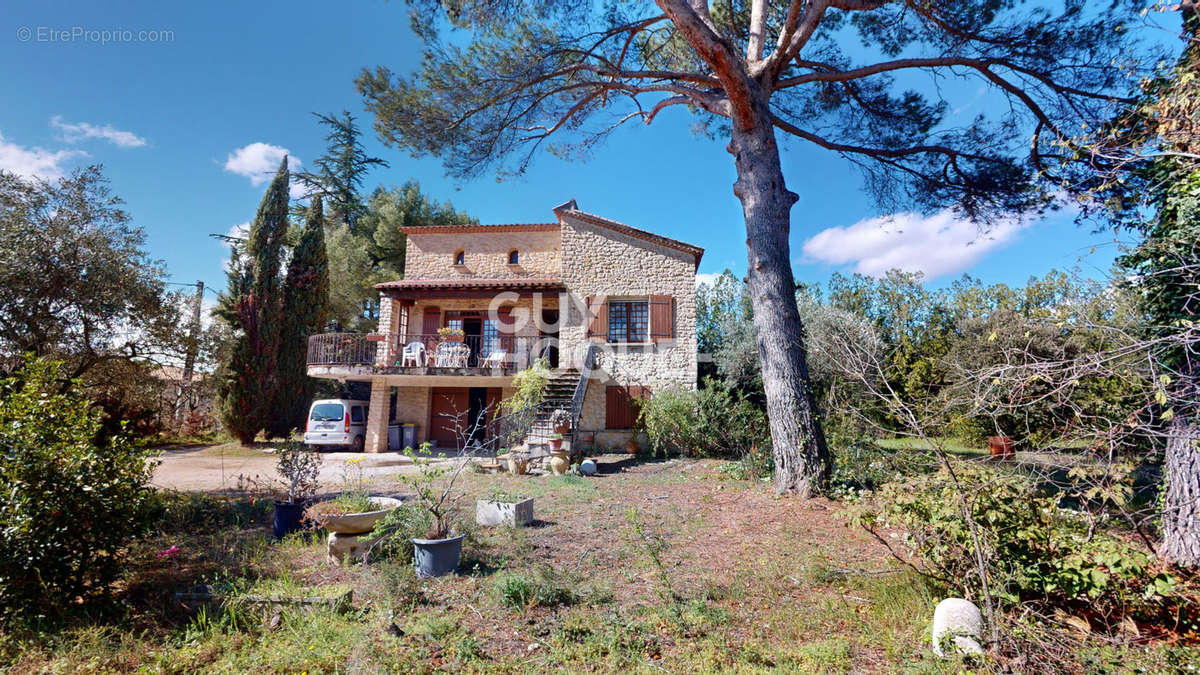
(165, 114)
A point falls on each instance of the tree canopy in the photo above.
(871, 80)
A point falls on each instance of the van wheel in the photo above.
(357, 445)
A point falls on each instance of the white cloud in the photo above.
(35, 162)
(260, 161)
(75, 132)
(239, 231)
(707, 278)
(936, 245)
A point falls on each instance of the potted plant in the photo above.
(560, 461)
(299, 468)
(517, 460)
(355, 510)
(560, 419)
(504, 508)
(451, 334)
(437, 553)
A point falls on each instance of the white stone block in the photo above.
(504, 513)
(957, 624)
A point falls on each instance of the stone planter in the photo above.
(513, 514)
(560, 463)
(358, 523)
(436, 557)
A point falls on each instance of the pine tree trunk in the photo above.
(1181, 506)
(802, 461)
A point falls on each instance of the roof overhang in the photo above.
(420, 289)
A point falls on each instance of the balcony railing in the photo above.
(424, 353)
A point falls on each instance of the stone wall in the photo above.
(431, 256)
(600, 262)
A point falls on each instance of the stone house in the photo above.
(612, 308)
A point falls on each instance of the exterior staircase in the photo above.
(560, 391)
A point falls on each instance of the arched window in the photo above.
(514, 258)
(460, 258)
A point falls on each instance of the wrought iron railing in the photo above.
(589, 362)
(425, 351)
(341, 349)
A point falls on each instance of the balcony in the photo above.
(342, 354)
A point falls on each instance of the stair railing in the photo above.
(589, 362)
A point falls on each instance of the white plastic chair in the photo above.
(496, 359)
(413, 354)
(461, 355)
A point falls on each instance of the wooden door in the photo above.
(448, 410)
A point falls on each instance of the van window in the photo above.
(356, 415)
(327, 412)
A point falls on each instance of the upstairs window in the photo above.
(460, 258)
(514, 258)
(628, 321)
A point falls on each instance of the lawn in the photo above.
(651, 567)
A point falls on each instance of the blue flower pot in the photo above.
(437, 557)
(288, 518)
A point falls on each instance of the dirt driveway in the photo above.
(214, 468)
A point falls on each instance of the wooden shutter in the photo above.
(597, 316)
(616, 408)
(431, 321)
(623, 405)
(661, 325)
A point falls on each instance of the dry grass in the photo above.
(650, 567)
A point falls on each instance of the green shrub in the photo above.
(713, 421)
(540, 589)
(70, 505)
(393, 534)
(1032, 549)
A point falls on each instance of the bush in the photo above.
(1032, 549)
(541, 589)
(713, 421)
(70, 504)
(393, 534)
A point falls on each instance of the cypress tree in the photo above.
(252, 308)
(305, 311)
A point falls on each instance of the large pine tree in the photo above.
(305, 311)
(252, 308)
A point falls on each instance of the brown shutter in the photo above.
(597, 316)
(616, 408)
(623, 406)
(432, 321)
(661, 326)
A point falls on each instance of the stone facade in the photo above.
(485, 254)
(593, 258)
(598, 261)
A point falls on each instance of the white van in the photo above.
(337, 422)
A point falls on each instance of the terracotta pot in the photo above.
(555, 444)
(560, 463)
(1001, 446)
(562, 429)
(631, 447)
(517, 465)
(453, 338)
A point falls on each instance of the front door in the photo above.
(448, 416)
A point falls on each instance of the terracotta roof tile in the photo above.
(523, 283)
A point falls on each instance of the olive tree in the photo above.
(860, 78)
